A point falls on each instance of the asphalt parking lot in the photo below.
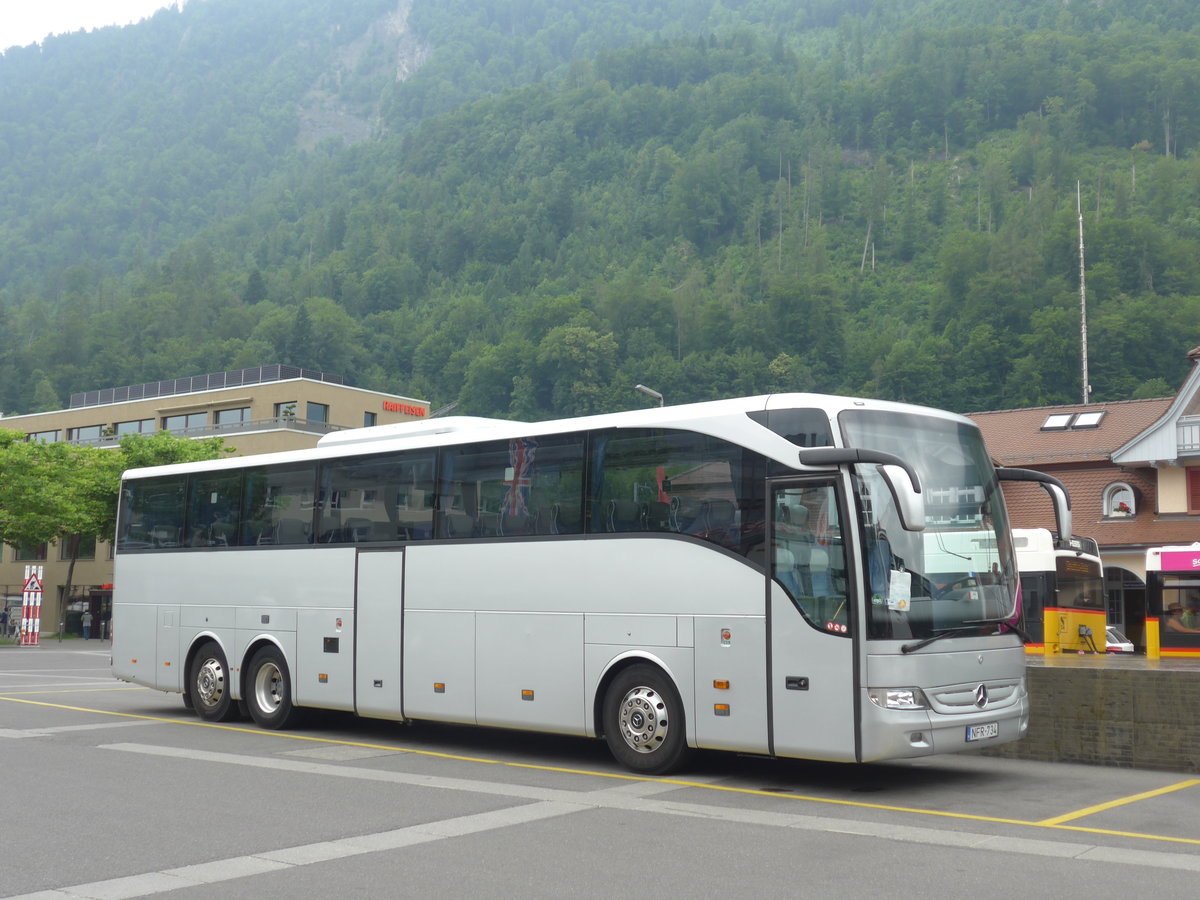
(116, 791)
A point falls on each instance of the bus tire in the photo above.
(269, 690)
(643, 721)
(208, 685)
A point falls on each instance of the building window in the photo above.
(233, 416)
(369, 419)
(135, 426)
(285, 410)
(31, 554)
(317, 412)
(87, 548)
(1120, 501)
(44, 437)
(89, 433)
(1073, 421)
(184, 422)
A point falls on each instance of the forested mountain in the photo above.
(529, 206)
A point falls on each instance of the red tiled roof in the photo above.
(1014, 437)
(1081, 459)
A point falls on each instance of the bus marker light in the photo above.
(439, 687)
(167, 663)
(721, 685)
(720, 709)
(726, 637)
(323, 677)
(526, 695)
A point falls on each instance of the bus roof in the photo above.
(725, 419)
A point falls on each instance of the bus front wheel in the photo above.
(643, 721)
(208, 685)
(269, 693)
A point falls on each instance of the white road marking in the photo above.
(543, 803)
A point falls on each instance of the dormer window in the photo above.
(1073, 421)
(1120, 501)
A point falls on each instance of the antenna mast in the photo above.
(1083, 337)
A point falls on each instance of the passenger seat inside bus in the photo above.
(458, 525)
(291, 531)
(625, 515)
(565, 519)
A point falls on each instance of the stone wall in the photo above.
(1132, 718)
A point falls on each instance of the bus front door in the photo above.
(809, 602)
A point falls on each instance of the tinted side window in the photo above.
(803, 427)
(512, 488)
(386, 497)
(278, 505)
(654, 480)
(214, 505)
(151, 513)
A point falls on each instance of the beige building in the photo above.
(261, 410)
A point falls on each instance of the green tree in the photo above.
(51, 492)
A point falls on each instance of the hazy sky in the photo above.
(29, 21)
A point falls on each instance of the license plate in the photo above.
(981, 732)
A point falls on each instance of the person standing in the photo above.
(87, 624)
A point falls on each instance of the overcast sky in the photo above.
(25, 22)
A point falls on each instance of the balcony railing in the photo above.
(1187, 434)
(277, 423)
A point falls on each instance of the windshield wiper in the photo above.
(959, 629)
(943, 632)
(1013, 627)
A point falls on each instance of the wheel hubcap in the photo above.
(643, 719)
(210, 682)
(268, 685)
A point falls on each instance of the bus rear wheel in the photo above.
(643, 721)
(269, 690)
(208, 685)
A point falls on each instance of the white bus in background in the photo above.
(1063, 606)
(757, 575)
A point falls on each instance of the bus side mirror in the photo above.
(901, 478)
(1052, 486)
(910, 502)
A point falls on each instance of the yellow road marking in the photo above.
(1122, 801)
(1057, 823)
(106, 690)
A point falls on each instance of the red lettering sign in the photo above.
(407, 408)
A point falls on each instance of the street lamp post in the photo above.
(649, 392)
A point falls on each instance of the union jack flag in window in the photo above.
(521, 452)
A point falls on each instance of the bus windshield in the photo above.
(958, 575)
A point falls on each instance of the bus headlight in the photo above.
(898, 698)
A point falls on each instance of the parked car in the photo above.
(1116, 642)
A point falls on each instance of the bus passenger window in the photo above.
(677, 481)
(512, 488)
(377, 498)
(278, 505)
(214, 503)
(151, 513)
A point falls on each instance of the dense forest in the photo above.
(530, 206)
